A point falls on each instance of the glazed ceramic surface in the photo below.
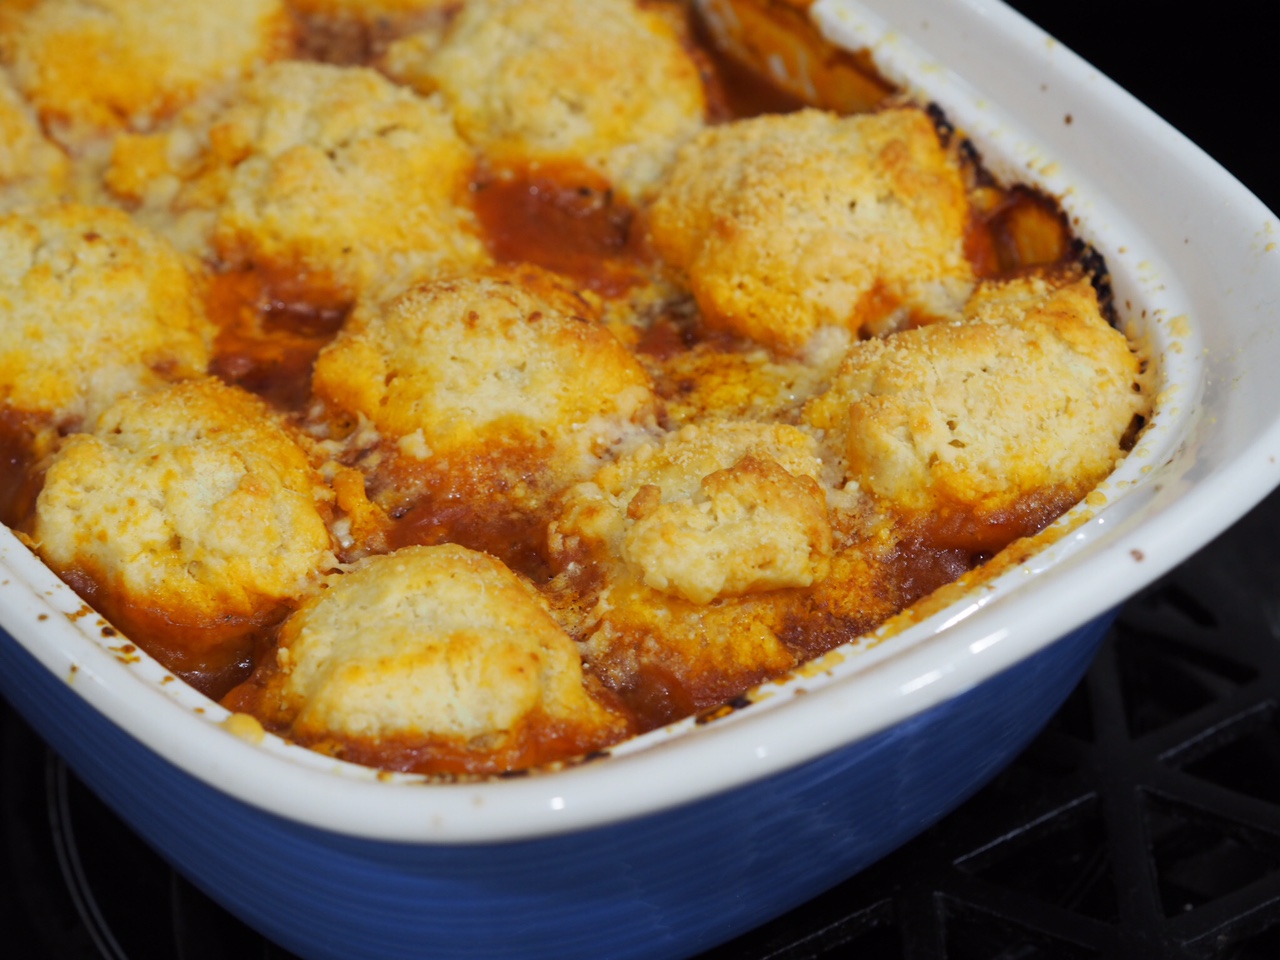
(691, 834)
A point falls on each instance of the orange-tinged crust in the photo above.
(336, 183)
(190, 507)
(714, 381)
(31, 167)
(475, 366)
(370, 11)
(1032, 392)
(783, 224)
(603, 83)
(92, 306)
(99, 66)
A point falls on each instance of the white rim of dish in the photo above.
(848, 695)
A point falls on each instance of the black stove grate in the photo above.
(1143, 822)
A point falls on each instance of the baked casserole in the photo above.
(461, 388)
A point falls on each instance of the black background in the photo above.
(1210, 69)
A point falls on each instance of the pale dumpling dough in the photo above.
(443, 650)
(191, 508)
(1032, 394)
(93, 306)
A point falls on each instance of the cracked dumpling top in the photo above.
(473, 366)
(780, 225)
(336, 183)
(191, 509)
(715, 510)
(1025, 404)
(92, 306)
(683, 559)
(433, 655)
(100, 66)
(602, 84)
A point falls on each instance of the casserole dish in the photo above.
(691, 834)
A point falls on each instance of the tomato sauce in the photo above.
(265, 344)
(657, 697)
(563, 219)
(516, 538)
(19, 478)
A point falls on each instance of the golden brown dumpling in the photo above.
(31, 167)
(781, 225)
(606, 85)
(490, 378)
(1029, 398)
(191, 510)
(102, 66)
(336, 183)
(434, 657)
(687, 551)
(92, 306)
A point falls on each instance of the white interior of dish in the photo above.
(1196, 273)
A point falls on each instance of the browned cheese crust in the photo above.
(606, 85)
(98, 66)
(784, 224)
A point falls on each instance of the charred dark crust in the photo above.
(1094, 265)
(946, 129)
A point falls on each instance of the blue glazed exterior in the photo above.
(666, 885)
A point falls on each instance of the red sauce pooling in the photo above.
(961, 528)
(19, 482)
(1014, 229)
(562, 219)
(266, 345)
(213, 657)
(657, 697)
(517, 539)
